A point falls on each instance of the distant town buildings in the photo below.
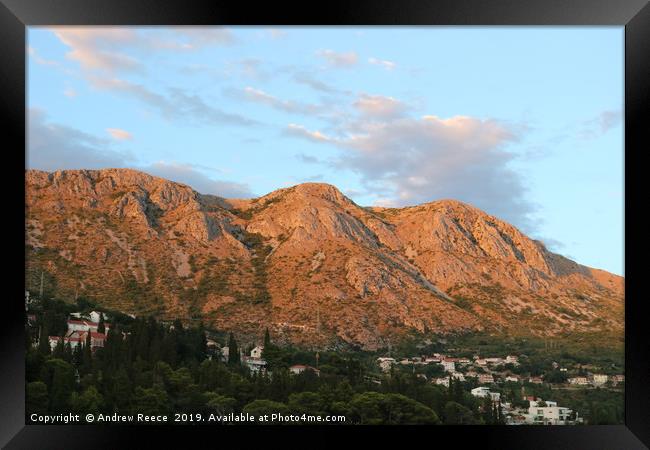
(549, 413)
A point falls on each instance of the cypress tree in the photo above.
(267, 338)
(101, 328)
(233, 351)
(87, 359)
(59, 348)
(44, 341)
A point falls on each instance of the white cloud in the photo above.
(300, 131)
(119, 134)
(379, 106)
(188, 174)
(409, 160)
(53, 147)
(97, 48)
(104, 49)
(38, 59)
(388, 65)
(336, 59)
(178, 104)
(290, 106)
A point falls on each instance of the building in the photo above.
(617, 379)
(85, 325)
(535, 380)
(257, 352)
(458, 376)
(256, 365)
(432, 360)
(485, 378)
(494, 361)
(385, 363)
(512, 379)
(512, 359)
(579, 381)
(481, 392)
(444, 381)
(449, 366)
(225, 352)
(79, 338)
(548, 413)
(300, 368)
(495, 396)
(599, 379)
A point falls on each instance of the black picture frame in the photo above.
(16, 15)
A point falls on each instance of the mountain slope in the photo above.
(305, 261)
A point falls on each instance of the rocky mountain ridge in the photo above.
(306, 261)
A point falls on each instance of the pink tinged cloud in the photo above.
(119, 134)
(379, 106)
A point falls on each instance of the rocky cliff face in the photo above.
(305, 261)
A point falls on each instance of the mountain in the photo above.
(305, 261)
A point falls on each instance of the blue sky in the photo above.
(522, 122)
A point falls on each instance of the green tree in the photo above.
(59, 376)
(219, 404)
(36, 401)
(87, 354)
(90, 401)
(263, 407)
(44, 341)
(267, 338)
(101, 327)
(457, 414)
(233, 351)
(306, 403)
(151, 401)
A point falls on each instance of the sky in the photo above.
(524, 123)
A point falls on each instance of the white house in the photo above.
(494, 361)
(85, 325)
(225, 352)
(580, 381)
(79, 338)
(458, 376)
(484, 378)
(512, 359)
(254, 364)
(385, 363)
(442, 381)
(449, 366)
(616, 379)
(512, 378)
(598, 379)
(548, 413)
(481, 392)
(495, 396)
(484, 392)
(257, 352)
(300, 368)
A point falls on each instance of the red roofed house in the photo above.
(85, 325)
(79, 338)
(300, 368)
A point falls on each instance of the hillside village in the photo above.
(494, 373)
(496, 378)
